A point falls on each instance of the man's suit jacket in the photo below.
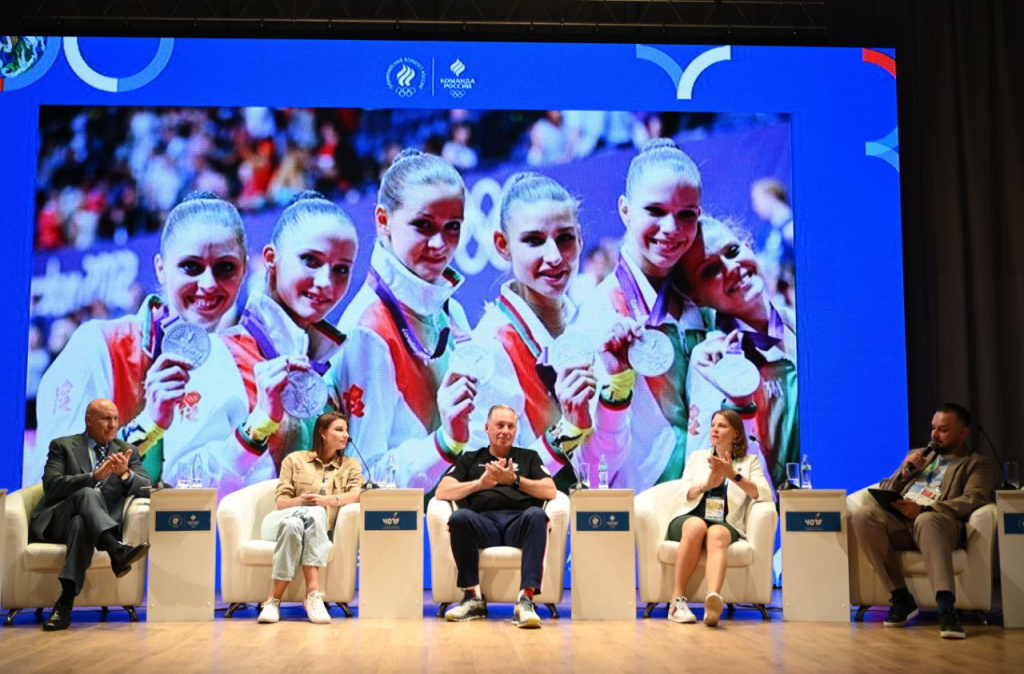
(966, 485)
(69, 469)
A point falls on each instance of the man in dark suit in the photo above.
(87, 481)
(938, 498)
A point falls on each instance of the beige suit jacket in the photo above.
(966, 486)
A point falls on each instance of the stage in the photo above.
(742, 642)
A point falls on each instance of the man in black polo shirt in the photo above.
(500, 490)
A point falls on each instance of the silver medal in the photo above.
(735, 376)
(571, 349)
(187, 340)
(304, 395)
(473, 360)
(651, 353)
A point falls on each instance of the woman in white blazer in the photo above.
(715, 493)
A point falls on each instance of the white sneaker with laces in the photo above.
(315, 609)
(271, 611)
(679, 612)
(524, 615)
(713, 605)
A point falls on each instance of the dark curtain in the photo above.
(960, 74)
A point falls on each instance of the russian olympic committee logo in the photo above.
(406, 76)
(457, 86)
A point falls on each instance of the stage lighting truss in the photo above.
(673, 19)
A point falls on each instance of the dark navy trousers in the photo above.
(524, 529)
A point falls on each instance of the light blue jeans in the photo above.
(301, 536)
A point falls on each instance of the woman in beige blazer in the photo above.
(715, 493)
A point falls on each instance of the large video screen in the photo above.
(227, 238)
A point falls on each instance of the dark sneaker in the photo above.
(470, 608)
(901, 612)
(525, 615)
(949, 626)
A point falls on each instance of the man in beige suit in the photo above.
(952, 485)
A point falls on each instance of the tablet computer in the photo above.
(885, 497)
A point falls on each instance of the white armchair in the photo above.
(30, 569)
(749, 576)
(499, 566)
(247, 560)
(972, 566)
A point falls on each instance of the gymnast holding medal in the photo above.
(750, 359)
(551, 388)
(146, 362)
(405, 410)
(646, 375)
(282, 346)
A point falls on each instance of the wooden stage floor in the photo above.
(741, 643)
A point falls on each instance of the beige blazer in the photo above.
(697, 472)
(966, 485)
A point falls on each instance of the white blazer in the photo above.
(697, 472)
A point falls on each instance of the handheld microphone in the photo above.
(929, 453)
(369, 484)
(579, 481)
(786, 484)
(1005, 484)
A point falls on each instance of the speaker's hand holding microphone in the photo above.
(918, 459)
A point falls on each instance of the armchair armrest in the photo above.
(557, 510)
(442, 564)
(136, 521)
(236, 517)
(762, 522)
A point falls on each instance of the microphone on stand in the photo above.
(929, 453)
(579, 481)
(369, 484)
(1005, 484)
(786, 484)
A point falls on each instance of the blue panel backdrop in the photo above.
(103, 140)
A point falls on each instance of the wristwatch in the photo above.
(516, 485)
(738, 478)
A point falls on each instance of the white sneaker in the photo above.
(712, 608)
(315, 609)
(524, 615)
(271, 611)
(679, 612)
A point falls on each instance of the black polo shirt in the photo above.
(472, 465)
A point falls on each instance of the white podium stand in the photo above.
(1010, 512)
(391, 553)
(815, 556)
(603, 555)
(182, 556)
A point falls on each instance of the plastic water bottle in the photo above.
(197, 473)
(805, 474)
(602, 473)
(391, 472)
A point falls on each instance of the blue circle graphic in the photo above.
(118, 84)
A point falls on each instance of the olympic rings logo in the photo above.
(476, 250)
(87, 73)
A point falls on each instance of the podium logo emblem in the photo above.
(815, 521)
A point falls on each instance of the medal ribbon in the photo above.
(153, 333)
(412, 342)
(254, 326)
(544, 371)
(757, 340)
(635, 301)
